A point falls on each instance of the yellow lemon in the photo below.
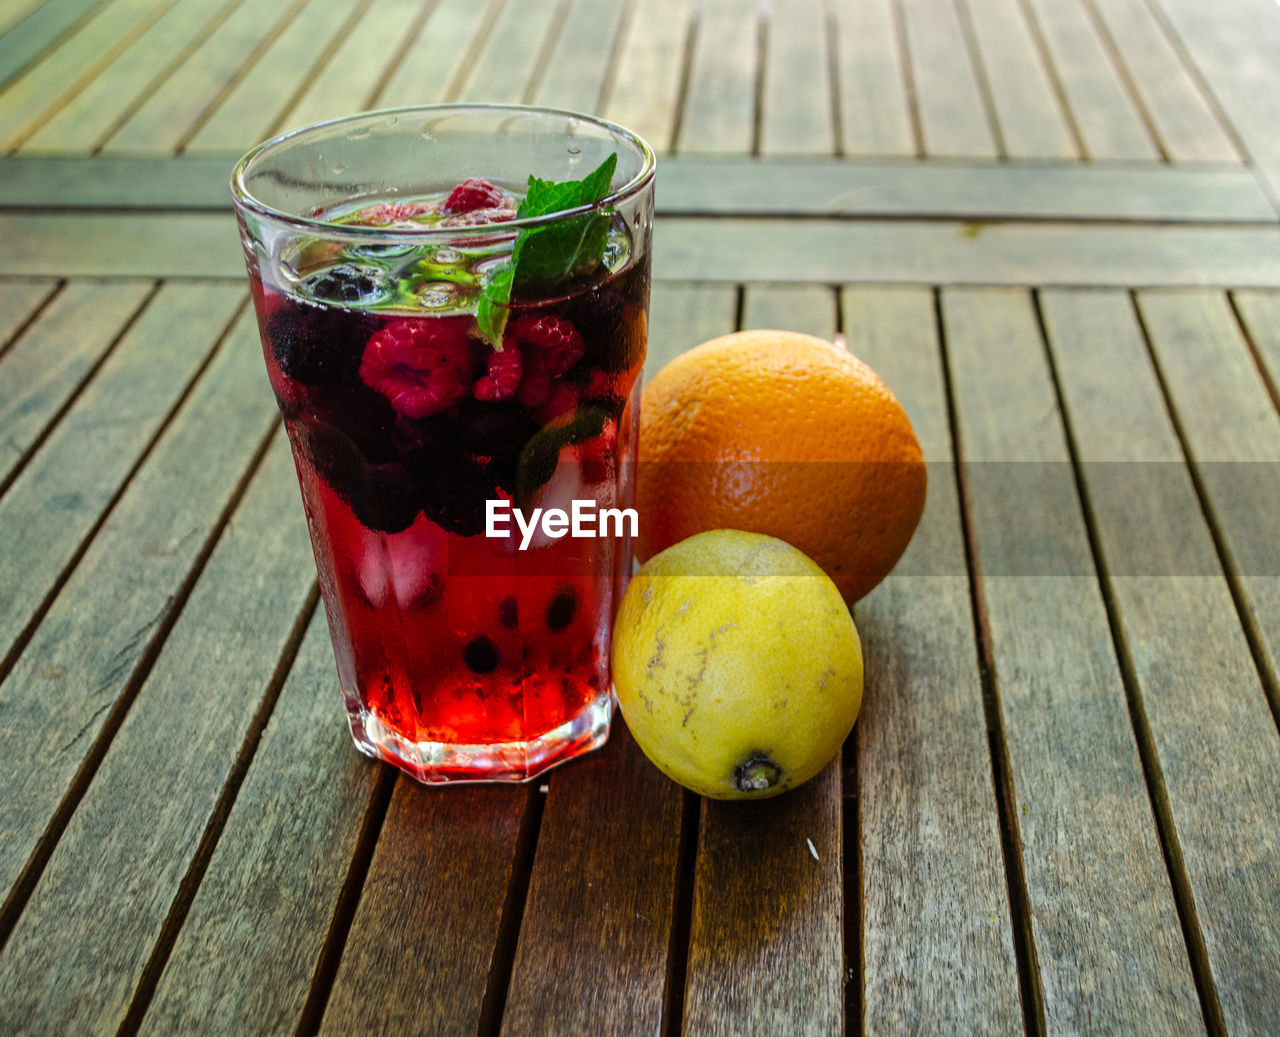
(737, 664)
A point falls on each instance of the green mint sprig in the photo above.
(543, 257)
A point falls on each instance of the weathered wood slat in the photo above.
(49, 362)
(18, 302)
(1216, 739)
(253, 108)
(504, 69)
(685, 315)
(351, 74)
(953, 115)
(438, 55)
(71, 65)
(875, 114)
(95, 110)
(1031, 123)
(805, 308)
(766, 949)
(704, 186)
(248, 948)
(60, 494)
(84, 939)
(1183, 118)
(603, 882)
(1260, 312)
(796, 115)
(83, 654)
(1234, 47)
(580, 62)
(937, 952)
(422, 943)
(694, 249)
(1104, 114)
(25, 40)
(168, 117)
(650, 60)
(16, 12)
(1106, 931)
(719, 109)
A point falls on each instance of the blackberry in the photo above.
(481, 655)
(383, 497)
(509, 612)
(492, 428)
(611, 328)
(563, 607)
(348, 284)
(316, 345)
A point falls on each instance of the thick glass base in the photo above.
(438, 763)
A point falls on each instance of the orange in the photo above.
(784, 434)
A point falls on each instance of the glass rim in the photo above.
(244, 199)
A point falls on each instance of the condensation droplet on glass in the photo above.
(359, 134)
(339, 169)
(574, 150)
(436, 295)
(446, 256)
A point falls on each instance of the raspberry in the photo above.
(552, 343)
(475, 193)
(478, 217)
(502, 377)
(563, 400)
(421, 367)
(392, 212)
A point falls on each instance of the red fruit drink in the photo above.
(464, 653)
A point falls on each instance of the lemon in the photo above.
(737, 664)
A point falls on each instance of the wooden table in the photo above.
(1050, 224)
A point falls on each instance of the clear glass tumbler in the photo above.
(458, 358)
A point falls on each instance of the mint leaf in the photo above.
(491, 313)
(543, 257)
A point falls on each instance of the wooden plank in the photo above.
(1260, 312)
(937, 951)
(809, 309)
(766, 948)
(646, 87)
(19, 300)
(50, 362)
(349, 79)
(1232, 434)
(26, 40)
(423, 939)
(439, 54)
(1215, 736)
(504, 69)
(121, 597)
(704, 186)
(17, 11)
(1108, 123)
(253, 108)
(1107, 937)
(170, 115)
(796, 101)
(83, 941)
(726, 249)
(579, 66)
(1031, 122)
(953, 114)
(1182, 117)
(1233, 47)
(67, 68)
(60, 494)
(685, 315)
(933, 253)
(249, 946)
(719, 109)
(603, 882)
(102, 104)
(875, 114)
